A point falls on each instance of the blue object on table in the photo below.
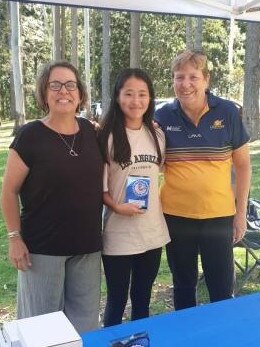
(135, 340)
(228, 323)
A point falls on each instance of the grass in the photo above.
(162, 290)
(7, 272)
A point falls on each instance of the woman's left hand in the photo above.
(239, 227)
(19, 254)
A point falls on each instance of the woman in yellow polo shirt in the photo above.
(204, 138)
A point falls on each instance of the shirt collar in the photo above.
(211, 99)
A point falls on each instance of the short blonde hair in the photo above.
(196, 58)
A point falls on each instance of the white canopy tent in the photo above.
(248, 10)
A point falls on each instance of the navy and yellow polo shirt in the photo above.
(197, 177)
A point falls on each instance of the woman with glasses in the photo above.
(55, 170)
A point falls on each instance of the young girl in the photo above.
(133, 234)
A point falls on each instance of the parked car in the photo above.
(161, 102)
(96, 109)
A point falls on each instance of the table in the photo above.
(228, 323)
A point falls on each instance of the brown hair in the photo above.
(43, 79)
(197, 58)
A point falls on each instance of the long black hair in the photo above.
(114, 121)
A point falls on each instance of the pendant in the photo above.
(73, 153)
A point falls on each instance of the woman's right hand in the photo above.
(128, 209)
(19, 254)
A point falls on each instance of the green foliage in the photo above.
(95, 53)
(7, 272)
(215, 44)
(215, 37)
(255, 187)
(7, 276)
(120, 43)
(36, 35)
(162, 37)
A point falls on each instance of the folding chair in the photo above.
(251, 243)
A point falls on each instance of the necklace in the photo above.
(71, 150)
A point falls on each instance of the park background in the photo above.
(101, 43)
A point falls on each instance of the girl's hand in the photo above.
(128, 209)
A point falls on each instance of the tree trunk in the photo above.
(106, 61)
(74, 36)
(189, 32)
(56, 33)
(135, 44)
(252, 80)
(17, 66)
(87, 57)
(12, 93)
(12, 97)
(63, 35)
(198, 33)
(232, 28)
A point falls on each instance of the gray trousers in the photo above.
(62, 283)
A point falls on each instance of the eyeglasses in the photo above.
(57, 85)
